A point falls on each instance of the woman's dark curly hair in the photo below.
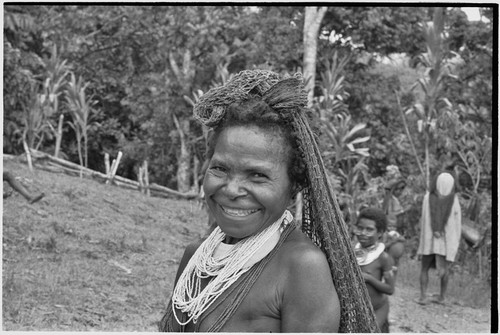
(256, 112)
(376, 215)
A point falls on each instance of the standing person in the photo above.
(440, 231)
(259, 271)
(394, 242)
(375, 263)
(392, 206)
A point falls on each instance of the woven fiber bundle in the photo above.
(323, 222)
(322, 219)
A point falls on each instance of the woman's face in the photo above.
(246, 185)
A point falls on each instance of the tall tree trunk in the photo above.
(184, 158)
(312, 22)
(410, 139)
(427, 162)
(185, 77)
(196, 170)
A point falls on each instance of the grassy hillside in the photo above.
(90, 256)
(95, 257)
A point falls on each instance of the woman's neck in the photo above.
(231, 240)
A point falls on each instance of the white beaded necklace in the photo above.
(188, 296)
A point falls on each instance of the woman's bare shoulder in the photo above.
(299, 250)
(309, 299)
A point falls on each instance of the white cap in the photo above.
(444, 183)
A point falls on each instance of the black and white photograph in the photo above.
(250, 167)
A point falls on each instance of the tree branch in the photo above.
(409, 135)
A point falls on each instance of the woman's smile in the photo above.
(238, 212)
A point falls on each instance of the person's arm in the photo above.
(387, 284)
(310, 302)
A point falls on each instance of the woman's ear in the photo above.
(296, 188)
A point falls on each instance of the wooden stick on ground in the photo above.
(28, 155)
(59, 135)
(74, 168)
(146, 178)
(106, 162)
(111, 169)
(140, 179)
(114, 167)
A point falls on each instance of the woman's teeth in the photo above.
(238, 212)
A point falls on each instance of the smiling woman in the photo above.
(260, 271)
(247, 186)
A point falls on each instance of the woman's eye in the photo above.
(259, 175)
(217, 168)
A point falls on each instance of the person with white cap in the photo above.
(440, 230)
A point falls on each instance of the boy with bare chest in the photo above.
(376, 264)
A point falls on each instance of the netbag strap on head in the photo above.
(212, 106)
(322, 219)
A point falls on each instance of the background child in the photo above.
(375, 263)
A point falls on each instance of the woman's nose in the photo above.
(234, 188)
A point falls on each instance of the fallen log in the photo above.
(74, 168)
(159, 188)
(10, 157)
(146, 178)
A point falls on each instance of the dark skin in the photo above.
(395, 248)
(396, 251)
(247, 188)
(443, 268)
(378, 275)
(377, 289)
(285, 298)
(16, 185)
(379, 279)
